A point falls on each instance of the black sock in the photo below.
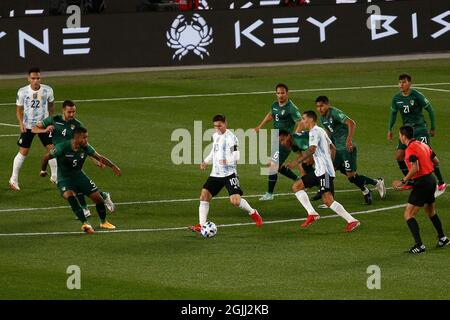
(101, 209)
(438, 174)
(437, 225)
(358, 181)
(76, 208)
(285, 171)
(367, 180)
(82, 200)
(403, 167)
(414, 228)
(272, 182)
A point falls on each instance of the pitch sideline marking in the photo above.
(185, 228)
(238, 93)
(433, 89)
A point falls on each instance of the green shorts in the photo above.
(279, 154)
(345, 161)
(422, 136)
(80, 183)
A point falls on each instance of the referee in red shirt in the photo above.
(420, 160)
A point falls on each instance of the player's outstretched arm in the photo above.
(39, 128)
(19, 115)
(266, 119)
(107, 162)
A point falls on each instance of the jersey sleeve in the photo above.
(339, 116)
(393, 115)
(90, 150)
(314, 138)
(47, 122)
(50, 97)
(56, 150)
(19, 99)
(295, 113)
(423, 102)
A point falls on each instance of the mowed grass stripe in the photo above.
(185, 228)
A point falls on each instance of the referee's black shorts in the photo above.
(423, 191)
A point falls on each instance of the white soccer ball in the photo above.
(209, 229)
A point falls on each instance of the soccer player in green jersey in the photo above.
(285, 116)
(72, 180)
(340, 128)
(62, 127)
(411, 103)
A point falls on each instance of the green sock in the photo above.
(101, 209)
(438, 174)
(82, 200)
(76, 208)
(103, 194)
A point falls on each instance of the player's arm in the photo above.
(54, 152)
(19, 115)
(304, 156)
(51, 108)
(106, 162)
(43, 126)
(412, 171)
(430, 111)
(207, 159)
(267, 118)
(351, 130)
(392, 118)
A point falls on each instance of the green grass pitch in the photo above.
(277, 261)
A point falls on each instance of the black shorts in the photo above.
(324, 182)
(26, 138)
(423, 191)
(215, 184)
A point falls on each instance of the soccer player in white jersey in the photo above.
(34, 103)
(321, 149)
(224, 157)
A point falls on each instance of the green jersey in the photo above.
(285, 117)
(300, 141)
(63, 129)
(70, 162)
(411, 109)
(334, 122)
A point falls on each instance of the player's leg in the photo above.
(307, 181)
(108, 201)
(46, 140)
(430, 210)
(65, 187)
(24, 143)
(82, 200)
(235, 192)
(327, 185)
(410, 218)
(211, 187)
(101, 210)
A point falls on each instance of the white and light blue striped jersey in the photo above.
(322, 157)
(34, 103)
(223, 147)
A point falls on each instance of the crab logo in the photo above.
(185, 37)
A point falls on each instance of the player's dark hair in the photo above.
(283, 133)
(407, 131)
(405, 76)
(34, 69)
(79, 130)
(282, 85)
(311, 114)
(219, 117)
(68, 103)
(323, 99)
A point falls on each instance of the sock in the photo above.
(403, 167)
(340, 210)
(272, 182)
(245, 206)
(82, 200)
(438, 174)
(101, 209)
(358, 181)
(304, 200)
(307, 168)
(53, 168)
(285, 171)
(17, 164)
(103, 194)
(203, 210)
(414, 228)
(437, 225)
(367, 180)
(76, 208)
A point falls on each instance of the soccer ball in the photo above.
(209, 229)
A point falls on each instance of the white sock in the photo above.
(203, 210)
(304, 200)
(245, 206)
(53, 168)
(340, 210)
(17, 164)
